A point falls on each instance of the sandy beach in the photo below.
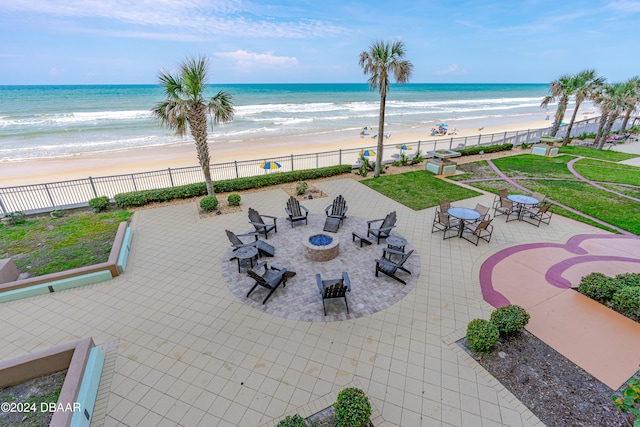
(184, 154)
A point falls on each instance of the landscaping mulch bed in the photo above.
(556, 390)
(23, 401)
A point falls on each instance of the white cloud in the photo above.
(205, 17)
(250, 61)
(625, 6)
(452, 69)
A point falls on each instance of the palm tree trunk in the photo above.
(198, 124)
(567, 137)
(627, 116)
(601, 126)
(383, 101)
(562, 107)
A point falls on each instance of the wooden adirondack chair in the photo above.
(338, 209)
(388, 267)
(270, 279)
(264, 249)
(330, 289)
(295, 211)
(261, 227)
(388, 223)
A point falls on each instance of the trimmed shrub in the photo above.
(584, 136)
(209, 203)
(352, 408)
(15, 218)
(233, 199)
(141, 198)
(482, 335)
(57, 213)
(628, 279)
(145, 197)
(485, 149)
(598, 286)
(626, 301)
(292, 421)
(510, 319)
(301, 188)
(100, 204)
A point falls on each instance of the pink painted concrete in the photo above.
(540, 277)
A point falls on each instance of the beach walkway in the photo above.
(182, 349)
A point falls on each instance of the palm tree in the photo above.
(379, 62)
(185, 107)
(583, 85)
(559, 90)
(612, 104)
(632, 100)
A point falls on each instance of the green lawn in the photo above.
(418, 189)
(597, 170)
(529, 165)
(613, 156)
(45, 245)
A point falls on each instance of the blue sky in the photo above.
(311, 41)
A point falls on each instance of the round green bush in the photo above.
(626, 301)
(57, 213)
(100, 204)
(482, 335)
(598, 286)
(628, 279)
(15, 218)
(233, 199)
(292, 421)
(352, 408)
(209, 203)
(510, 319)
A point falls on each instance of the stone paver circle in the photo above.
(300, 298)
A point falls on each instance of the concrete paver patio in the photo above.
(183, 350)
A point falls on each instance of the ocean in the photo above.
(55, 121)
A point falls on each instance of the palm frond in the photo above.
(221, 108)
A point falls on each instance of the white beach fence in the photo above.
(46, 197)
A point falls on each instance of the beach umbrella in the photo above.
(367, 153)
(404, 147)
(366, 128)
(442, 124)
(270, 165)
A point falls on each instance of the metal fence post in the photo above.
(479, 138)
(46, 187)
(3, 208)
(340, 156)
(170, 177)
(418, 145)
(317, 164)
(93, 187)
(133, 180)
(236, 163)
(292, 162)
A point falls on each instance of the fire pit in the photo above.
(320, 247)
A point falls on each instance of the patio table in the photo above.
(524, 201)
(396, 242)
(463, 214)
(244, 254)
